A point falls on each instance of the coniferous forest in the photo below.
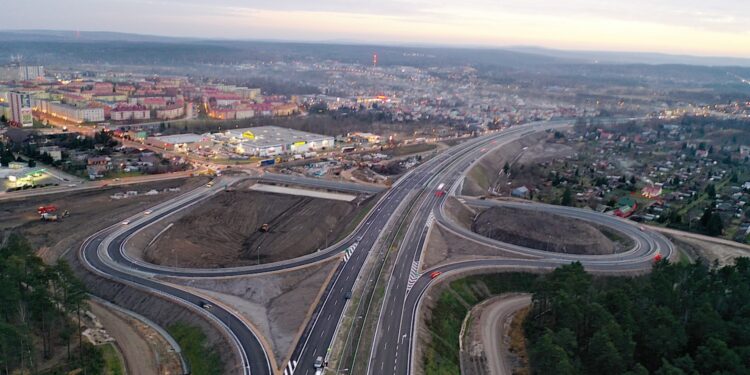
(40, 315)
(680, 319)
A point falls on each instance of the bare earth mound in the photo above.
(543, 231)
(225, 230)
(278, 304)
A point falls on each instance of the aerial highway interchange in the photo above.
(392, 349)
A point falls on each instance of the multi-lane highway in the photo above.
(392, 352)
(104, 254)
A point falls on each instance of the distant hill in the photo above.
(83, 36)
(634, 57)
(72, 47)
(60, 47)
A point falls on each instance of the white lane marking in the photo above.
(430, 220)
(413, 275)
(290, 367)
(349, 251)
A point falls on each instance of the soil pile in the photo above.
(542, 231)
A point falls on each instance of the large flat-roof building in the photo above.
(20, 109)
(21, 72)
(180, 142)
(73, 113)
(265, 141)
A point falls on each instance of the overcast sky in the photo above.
(698, 27)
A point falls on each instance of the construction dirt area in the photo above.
(89, 211)
(710, 252)
(551, 232)
(228, 230)
(278, 304)
(511, 225)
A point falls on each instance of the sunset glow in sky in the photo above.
(696, 27)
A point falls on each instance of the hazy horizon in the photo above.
(688, 27)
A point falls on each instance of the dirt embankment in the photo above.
(543, 231)
(444, 246)
(484, 174)
(278, 304)
(709, 252)
(487, 175)
(161, 311)
(90, 210)
(225, 230)
(459, 212)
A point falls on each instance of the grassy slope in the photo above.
(202, 359)
(112, 361)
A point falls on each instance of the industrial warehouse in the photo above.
(267, 141)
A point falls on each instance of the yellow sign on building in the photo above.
(301, 143)
(248, 135)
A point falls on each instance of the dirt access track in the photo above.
(90, 211)
(224, 231)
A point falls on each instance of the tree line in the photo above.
(681, 319)
(41, 308)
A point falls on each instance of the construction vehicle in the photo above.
(46, 209)
(206, 172)
(264, 228)
(50, 216)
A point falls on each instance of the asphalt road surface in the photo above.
(103, 252)
(393, 347)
